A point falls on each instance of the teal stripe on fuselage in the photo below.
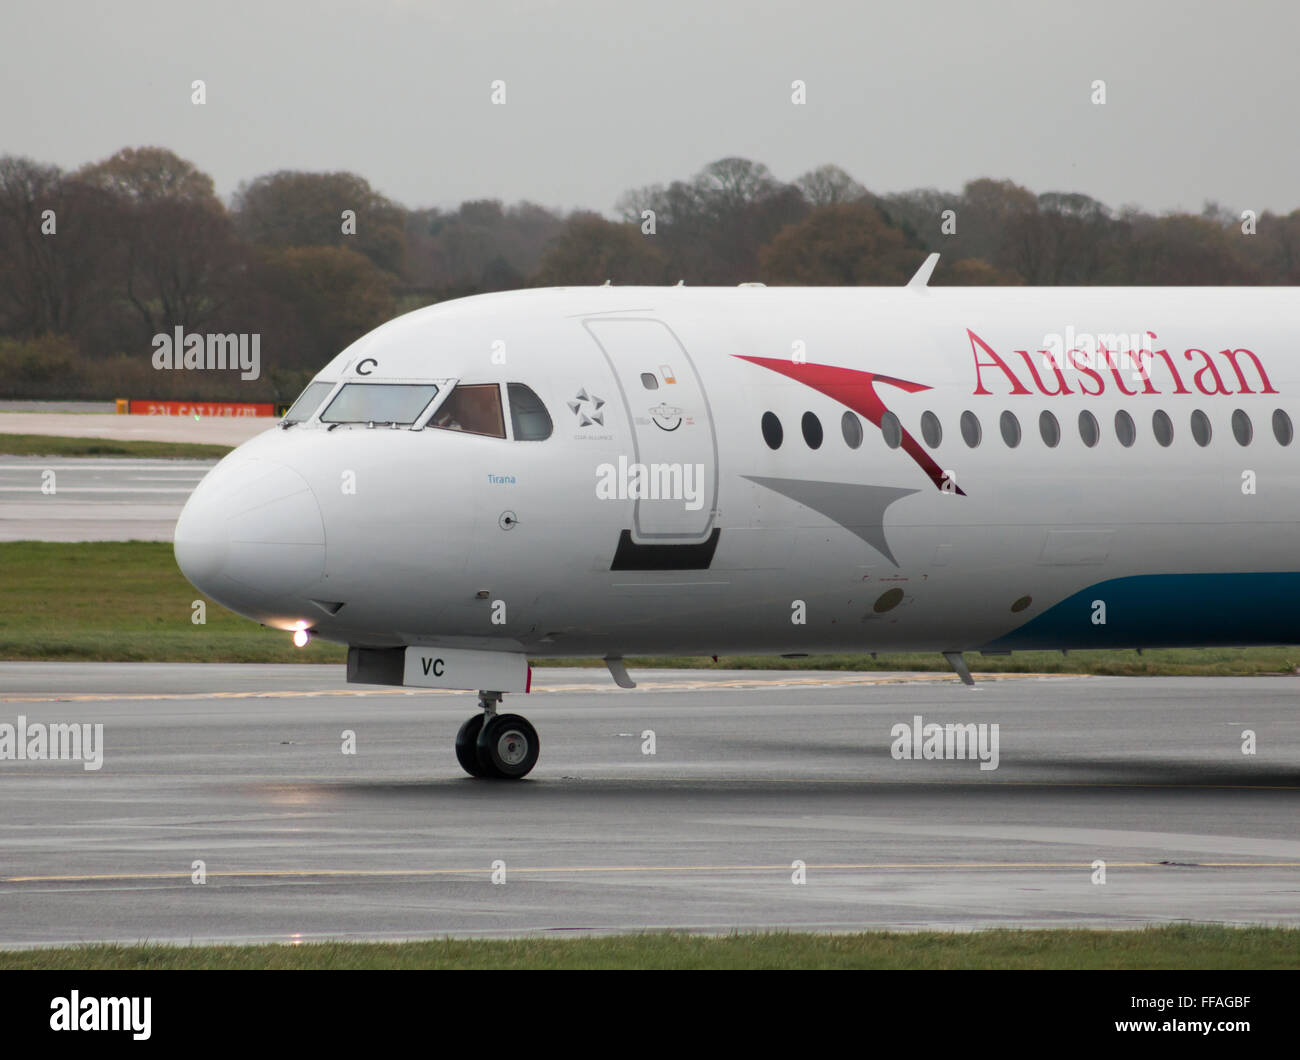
(1169, 611)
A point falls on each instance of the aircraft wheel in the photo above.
(508, 747)
(467, 747)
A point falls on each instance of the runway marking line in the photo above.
(97, 489)
(657, 686)
(17, 776)
(557, 870)
(92, 464)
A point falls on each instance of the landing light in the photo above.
(301, 637)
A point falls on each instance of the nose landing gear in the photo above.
(500, 746)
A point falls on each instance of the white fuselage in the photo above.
(381, 536)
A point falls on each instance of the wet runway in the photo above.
(94, 499)
(242, 769)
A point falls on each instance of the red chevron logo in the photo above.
(857, 391)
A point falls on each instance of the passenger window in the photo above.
(773, 433)
(970, 429)
(1163, 427)
(1125, 430)
(812, 430)
(1282, 429)
(1201, 428)
(1241, 427)
(649, 380)
(1049, 428)
(851, 428)
(1088, 429)
(931, 429)
(891, 429)
(474, 409)
(1010, 427)
(528, 416)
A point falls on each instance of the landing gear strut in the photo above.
(500, 746)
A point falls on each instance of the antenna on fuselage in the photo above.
(922, 277)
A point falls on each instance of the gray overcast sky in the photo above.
(1202, 99)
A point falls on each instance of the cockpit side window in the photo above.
(528, 416)
(308, 402)
(474, 409)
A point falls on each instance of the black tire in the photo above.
(508, 747)
(467, 747)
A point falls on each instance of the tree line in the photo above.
(95, 262)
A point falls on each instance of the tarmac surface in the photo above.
(207, 430)
(58, 406)
(243, 768)
(46, 498)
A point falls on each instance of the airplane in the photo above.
(613, 471)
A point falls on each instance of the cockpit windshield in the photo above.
(307, 404)
(399, 403)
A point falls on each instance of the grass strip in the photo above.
(1180, 946)
(57, 445)
(116, 601)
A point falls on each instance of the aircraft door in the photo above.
(673, 470)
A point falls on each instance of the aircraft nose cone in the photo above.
(251, 530)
